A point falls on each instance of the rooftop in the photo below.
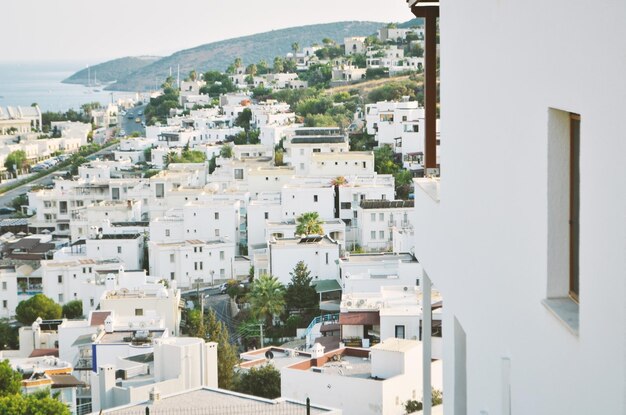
(387, 204)
(379, 257)
(215, 402)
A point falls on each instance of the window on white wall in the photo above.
(373, 235)
(373, 217)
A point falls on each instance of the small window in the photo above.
(119, 249)
(373, 217)
(346, 205)
(217, 215)
(222, 272)
(5, 304)
(381, 216)
(4, 285)
(172, 275)
(381, 234)
(222, 255)
(267, 215)
(217, 232)
(200, 265)
(399, 332)
(167, 232)
(200, 249)
(195, 266)
(373, 234)
(326, 258)
(60, 279)
(314, 198)
(139, 311)
(91, 302)
(171, 257)
(60, 298)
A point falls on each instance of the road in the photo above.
(128, 122)
(7, 197)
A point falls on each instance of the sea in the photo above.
(27, 83)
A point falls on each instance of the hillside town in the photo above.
(301, 236)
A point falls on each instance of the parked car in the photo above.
(5, 210)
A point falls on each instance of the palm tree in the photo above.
(267, 298)
(295, 47)
(309, 223)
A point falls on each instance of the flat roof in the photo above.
(383, 256)
(216, 401)
(396, 345)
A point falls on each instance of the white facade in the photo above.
(319, 254)
(549, 354)
(377, 221)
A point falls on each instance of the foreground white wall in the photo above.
(494, 207)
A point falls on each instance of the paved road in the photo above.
(7, 197)
(129, 125)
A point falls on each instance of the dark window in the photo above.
(399, 332)
(574, 214)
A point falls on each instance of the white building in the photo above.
(354, 45)
(542, 252)
(320, 254)
(377, 221)
(357, 384)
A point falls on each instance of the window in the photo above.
(60, 299)
(115, 193)
(267, 215)
(160, 190)
(171, 257)
(217, 232)
(563, 293)
(314, 198)
(119, 249)
(574, 203)
(167, 232)
(238, 174)
(195, 266)
(317, 150)
(373, 217)
(217, 216)
(326, 258)
(200, 265)
(4, 285)
(381, 234)
(200, 249)
(399, 332)
(195, 249)
(60, 279)
(139, 311)
(84, 270)
(90, 270)
(373, 234)
(381, 217)
(172, 275)
(91, 302)
(346, 205)
(221, 255)
(404, 118)
(5, 304)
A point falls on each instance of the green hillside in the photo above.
(251, 49)
(110, 71)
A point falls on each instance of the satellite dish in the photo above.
(269, 355)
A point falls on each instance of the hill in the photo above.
(111, 71)
(251, 49)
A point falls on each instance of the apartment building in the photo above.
(377, 221)
(541, 252)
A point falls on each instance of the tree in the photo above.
(8, 336)
(39, 305)
(226, 151)
(295, 47)
(73, 309)
(384, 161)
(226, 353)
(279, 65)
(267, 298)
(300, 294)
(251, 69)
(10, 380)
(16, 160)
(193, 324)
(243, 119)
(193, 75)
(263, 382)
(38, 403)
(309, 223)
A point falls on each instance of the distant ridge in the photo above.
(110, 71)
(251, 49)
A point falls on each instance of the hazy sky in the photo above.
(90, 32)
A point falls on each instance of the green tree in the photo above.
(263, 67)
(384, 161)
(16, 160)
(263, 382)
(279, 65)
(300, 294)
(226, 353)
(10, 380)
(251, 69)
(309, 223)
(243, 119)
(39, 305)
(267, 298)
(39, 403)
(193, 324)
(8, 336)
(73, 309)
(295, 48)
(226, 151)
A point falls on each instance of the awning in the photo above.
(65, 381)
(360, 318)
(324, 286)
(83, 340)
